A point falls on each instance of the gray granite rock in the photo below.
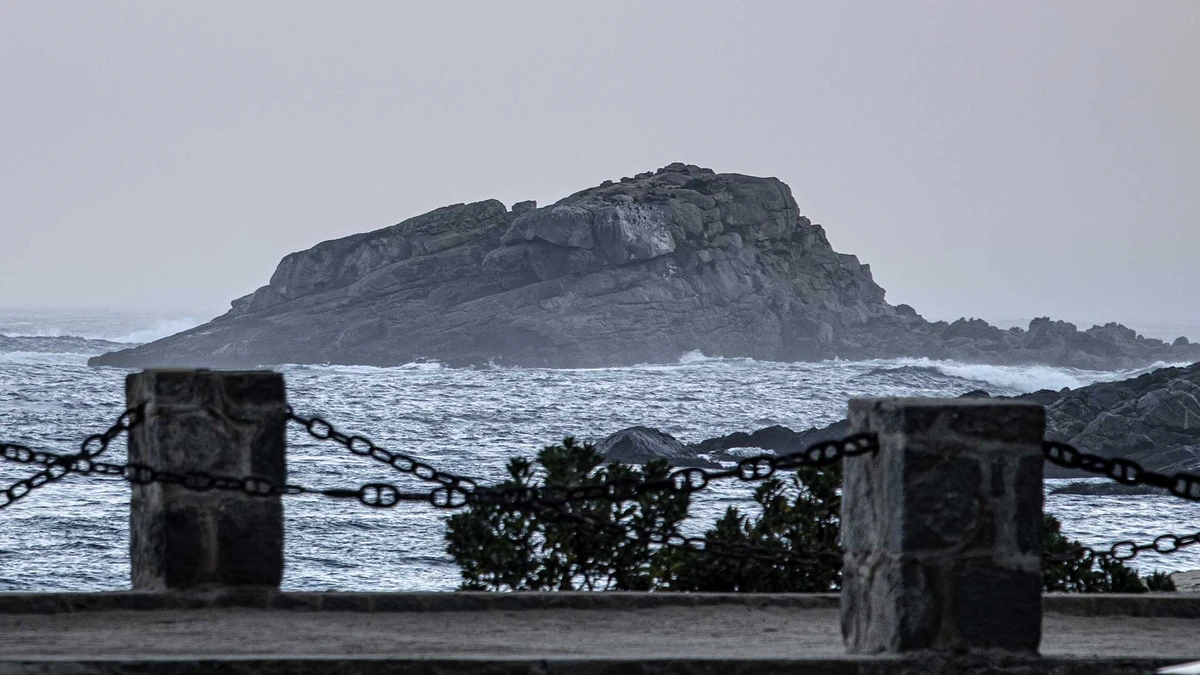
(779, 439)
(224, 424)
(1153, 419)
(643, 270)
(942, 528)
(639, 445)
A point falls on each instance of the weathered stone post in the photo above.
(942, 529)
(224, 423)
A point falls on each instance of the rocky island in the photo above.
(636, 271)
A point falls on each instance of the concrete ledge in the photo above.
(322, 665)
(638, 633)
(250, 598)
(1173, 605)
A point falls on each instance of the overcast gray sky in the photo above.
(995, 159)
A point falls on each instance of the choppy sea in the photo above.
(73, 535)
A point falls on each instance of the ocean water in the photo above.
(73, 535)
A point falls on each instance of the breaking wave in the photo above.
(1022, 379)
(159, 330)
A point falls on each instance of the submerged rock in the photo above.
(678, 260)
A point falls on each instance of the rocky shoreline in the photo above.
(642, 270)
(1153, 419)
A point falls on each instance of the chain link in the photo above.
(554, 502)
(1128, 550)
(681, 481)
(322, 430)
(1125, 471)
(56, 467)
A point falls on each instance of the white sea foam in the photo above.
(1026, 378)
(159, 330)
(365, 370)
(694, 356)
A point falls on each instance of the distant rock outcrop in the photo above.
(639, 445)
(1153, 419)
(643, 270)
(779, 439)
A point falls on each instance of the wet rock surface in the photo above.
(639, 271)
(639, 445)
(1153, 419)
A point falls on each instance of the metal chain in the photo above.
(322, 430)
(1128, 550)
(685, 480)
(551, 501)
(56, 467)
(1126, 471)
(379, 495)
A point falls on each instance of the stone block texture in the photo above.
(223, 423)
(942, 529)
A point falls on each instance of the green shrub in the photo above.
(792, 543)
(526, 550)
(802, 528)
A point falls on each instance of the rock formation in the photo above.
(639, 445)
(1153, 419)
(642, 270)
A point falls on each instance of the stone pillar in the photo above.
(224, 423)
(942, 529)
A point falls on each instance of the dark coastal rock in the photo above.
(1153, 419)
(644, 270)
(639, 445)
(1106, 489)
(779, 439)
